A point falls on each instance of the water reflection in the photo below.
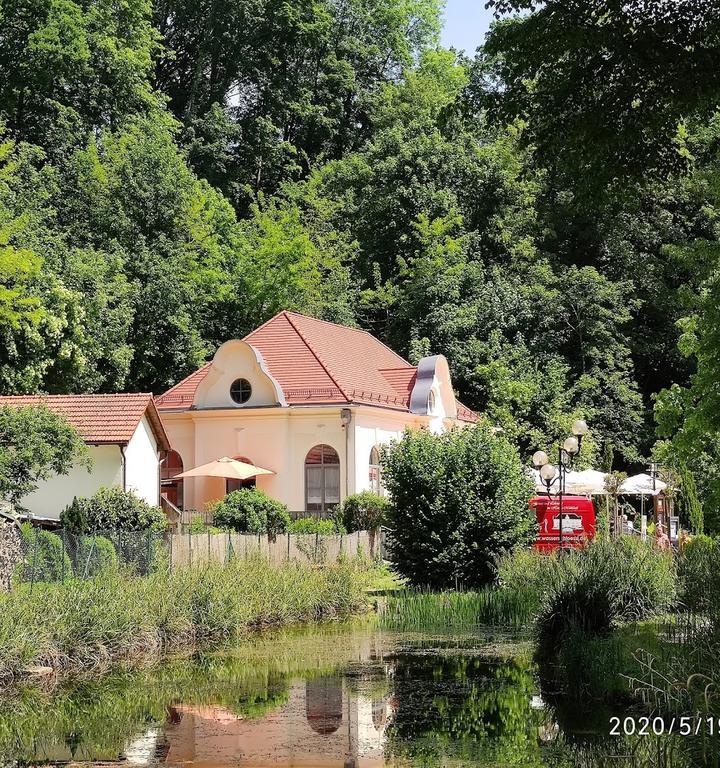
(336, 697)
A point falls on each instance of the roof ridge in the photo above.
(316, 355)
(45, 395)
(351, 328)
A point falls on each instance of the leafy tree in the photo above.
(458, 501)
(267, 89)
(67, 68)
(35, 444)
(606, 86)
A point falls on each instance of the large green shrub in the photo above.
(112, 509)
(45, 556)
(249, 510)
(590, 591)
(458, 501)
(364, 511)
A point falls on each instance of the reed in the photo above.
(423, 609)
(118, 618)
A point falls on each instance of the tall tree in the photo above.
(606, 85)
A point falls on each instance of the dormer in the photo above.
(238, 378)
(433, 394)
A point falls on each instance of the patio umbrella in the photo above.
(642, 485)
(231, 469)
(585, 483)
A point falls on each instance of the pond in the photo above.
(335, 695)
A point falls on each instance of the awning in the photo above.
(230, 469)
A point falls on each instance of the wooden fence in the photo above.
(202, 548)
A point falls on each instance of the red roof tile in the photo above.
(317, 362)
(100, 419)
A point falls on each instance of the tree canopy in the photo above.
(544, 214)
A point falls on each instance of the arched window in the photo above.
(171, 489)
(322, 479)
(375, 472)
(324, 704)
(235, 485)
(431, 401)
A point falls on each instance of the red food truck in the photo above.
(578, 522)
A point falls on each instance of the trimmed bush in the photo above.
(45, 556)
(311, 525)
(593, 590)
(458, 501)
(112, 509)
(249, 510)
(364, 511)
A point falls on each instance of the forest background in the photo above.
(546, 212)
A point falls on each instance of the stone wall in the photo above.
(11, 553)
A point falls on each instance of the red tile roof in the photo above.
(100, 419)
(318, 362)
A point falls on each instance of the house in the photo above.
(311, 401)
(125, 439)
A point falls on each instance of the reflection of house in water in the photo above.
(322, 723)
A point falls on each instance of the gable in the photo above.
(315, 362)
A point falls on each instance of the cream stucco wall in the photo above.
(279, 439)
(376, 427)
(141, 475)
(142, 464)
(55, 494)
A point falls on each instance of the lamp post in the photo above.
(550, 475)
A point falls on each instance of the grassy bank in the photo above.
(116, 618)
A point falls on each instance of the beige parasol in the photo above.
(226, 467)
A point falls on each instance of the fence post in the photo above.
(90, 554)
(62, 561)
(34, 561)
(317, 536)
(170, 564)
(190, 546)
(208, 545)
(288, 545)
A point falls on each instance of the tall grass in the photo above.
(592, 591)
(119, 618)
(417, 609)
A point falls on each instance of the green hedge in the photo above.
(364, 511)
(311, 525)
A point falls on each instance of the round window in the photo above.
(240, 390)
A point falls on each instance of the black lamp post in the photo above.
(551, 475)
